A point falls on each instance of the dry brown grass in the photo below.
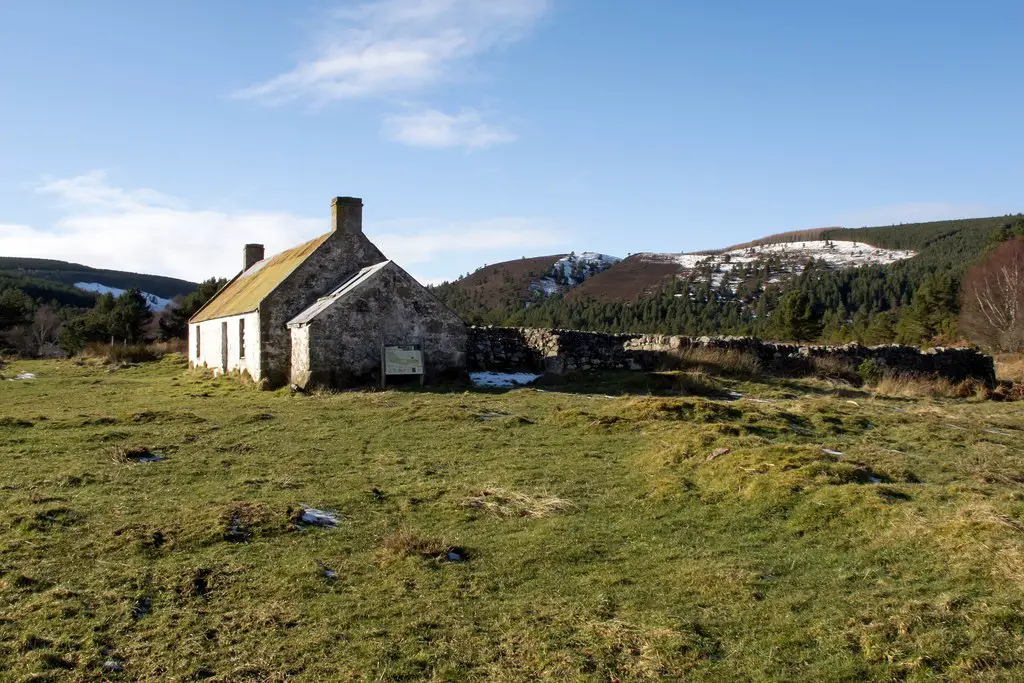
(1010, 367)
(120, 354)
(836, 369)
(505, 503)
(919, 387)
(170, 346)
(712, 361)
(407, 543)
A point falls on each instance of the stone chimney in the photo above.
(347, 215)
(253, 255)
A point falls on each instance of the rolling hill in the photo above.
(74, 285)
(732, 289)
(525, 280)
(72, 273)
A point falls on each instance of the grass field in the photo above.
(799, 532)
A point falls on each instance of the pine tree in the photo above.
(795, 319)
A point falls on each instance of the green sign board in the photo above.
(399, 360)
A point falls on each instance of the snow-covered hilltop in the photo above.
(154, 302)
(783, 259)
(572, 270)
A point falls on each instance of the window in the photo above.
(199, 344)
(241, 338)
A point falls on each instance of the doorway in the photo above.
(224, 346)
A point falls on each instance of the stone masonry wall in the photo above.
(563, 351)
(337, 259)
(342, 345)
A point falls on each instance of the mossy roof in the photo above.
(245, 293)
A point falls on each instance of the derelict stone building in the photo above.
(338, 339)
(319, 313)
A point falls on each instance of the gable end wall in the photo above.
(342, 344)
(335, 261)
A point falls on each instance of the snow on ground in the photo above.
(790, 258)
(841, 254)
(317, 517)
(502, 379)
(570, 271)
(154, 302)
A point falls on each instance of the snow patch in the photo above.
(154, 302)
(502, 379)
(572, 270)
(787, 259)
(319, 517)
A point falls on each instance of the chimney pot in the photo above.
(254, 253)
(347, 215)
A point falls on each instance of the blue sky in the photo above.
(161, 136)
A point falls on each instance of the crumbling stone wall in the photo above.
(562, 351)
(511, 349)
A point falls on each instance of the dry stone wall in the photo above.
(564, 351)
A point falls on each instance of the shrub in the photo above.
(992, 298)
(870, 371)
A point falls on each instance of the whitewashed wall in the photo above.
(210, 340)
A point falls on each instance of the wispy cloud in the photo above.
(916, 212)
(398, 46)
(144, 230)
(435, 129)
(419, 241)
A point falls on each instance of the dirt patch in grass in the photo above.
(125, 455)
(244, 521)
(504, 503)
(145, 538)
(407, 543)
(54, 518)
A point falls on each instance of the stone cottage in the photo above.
(320, 312)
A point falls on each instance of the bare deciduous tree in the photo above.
(45, 330)
(992, 299)
(39, 338)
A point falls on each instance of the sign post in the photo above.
(401, 360)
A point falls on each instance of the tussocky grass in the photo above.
(843, 535)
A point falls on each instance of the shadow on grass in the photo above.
(615, 383)
(671, 383)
